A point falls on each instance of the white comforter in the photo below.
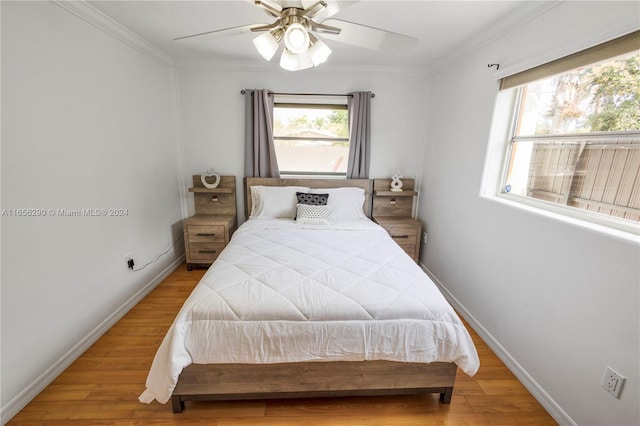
(285, 292)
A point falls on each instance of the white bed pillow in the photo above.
(271, 202)
(344, 203)
(312, 214)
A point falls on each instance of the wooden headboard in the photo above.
(365, 184)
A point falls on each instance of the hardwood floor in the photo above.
(103, 385)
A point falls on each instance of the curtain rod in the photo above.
(373, 95)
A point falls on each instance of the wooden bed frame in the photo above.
(211, 382)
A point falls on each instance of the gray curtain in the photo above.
(359, 104)
(259, 151)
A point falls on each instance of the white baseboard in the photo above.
(23, 398)
(532, 386)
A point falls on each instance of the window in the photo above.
(575, 138)
(311, 136)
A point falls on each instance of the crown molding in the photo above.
(508, 24)
(93, 16)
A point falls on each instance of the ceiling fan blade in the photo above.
(368, 37)
(333, 7)
(225, 32)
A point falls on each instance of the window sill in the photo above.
(622, 230)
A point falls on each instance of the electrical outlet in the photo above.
(613, 382)
(129, 259)
(424, 237)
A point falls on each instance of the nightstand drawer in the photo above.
(406, 238)
(405, 231)
(206, 233)
(204, 251)
(404, 235)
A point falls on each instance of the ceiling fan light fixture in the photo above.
(267, 44)
(296, 38)
(318, 52)
(295, 61)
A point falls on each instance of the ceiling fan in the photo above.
(297, 22)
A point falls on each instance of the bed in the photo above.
(326, 304)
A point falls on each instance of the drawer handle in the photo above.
(205, 234)
(400, 236)
(207, 251)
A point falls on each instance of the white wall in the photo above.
(213, 114)
(559, 302)
(87, 122)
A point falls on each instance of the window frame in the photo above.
(312, 102)
(570, 211)
(506, 117)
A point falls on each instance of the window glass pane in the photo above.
(311, 139)
(594, 174)
(599, 98)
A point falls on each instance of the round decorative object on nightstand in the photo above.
(396, 183)
(210, 173)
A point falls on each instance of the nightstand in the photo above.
(392, 210)
(208, 232)
(205, 236)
